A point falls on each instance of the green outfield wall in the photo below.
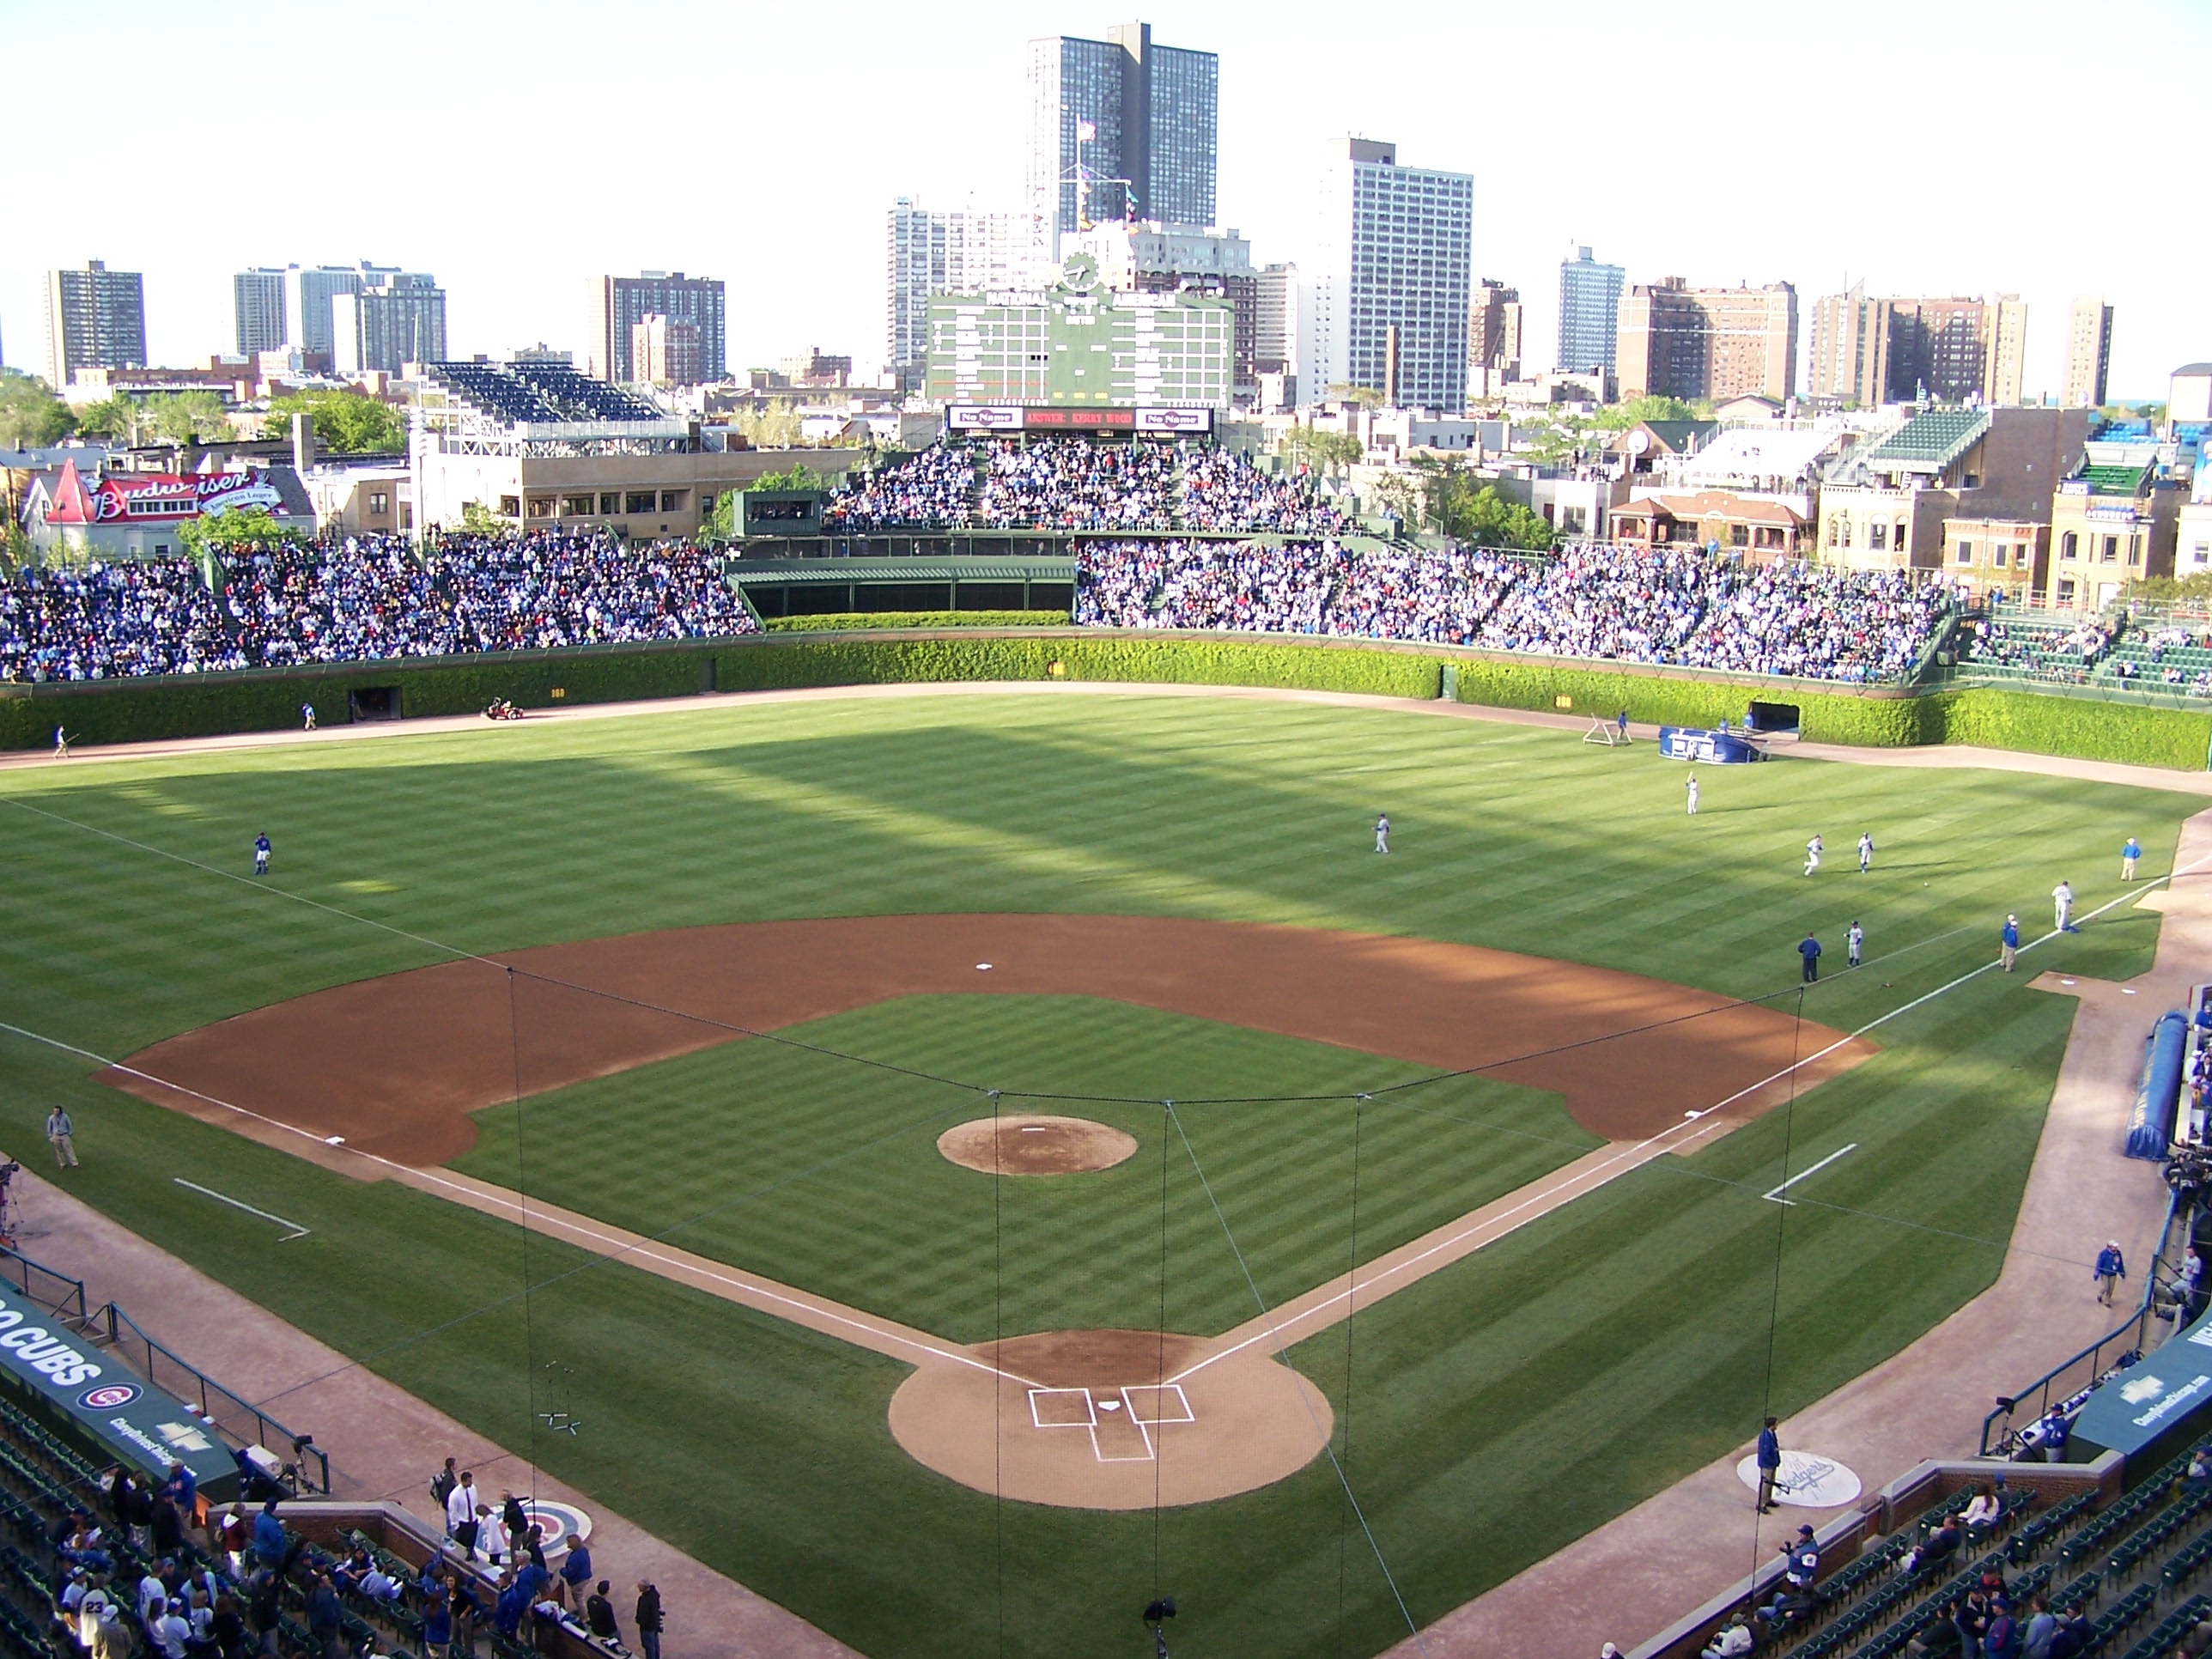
(184, 706)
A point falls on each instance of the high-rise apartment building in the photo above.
(619, 304)
(1493, 329)
(933, 250)
(1393, 261)
(1279, 321)
(393, 318)
(95, 318)
(1676, 341)
(1121, 129)
(258, 306)
(664, 350)
(308, 292)
(1952, 350)
(2089, 352)
(1589, 314)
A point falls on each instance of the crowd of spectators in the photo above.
(1078, 483)
(1679, 607)
(1223, 491)
(359, 600)
(1597, 600)
(2069, 653)
(1071, 483)
(1798, 619)
(1306, 587)
(108, 620)
(934, 489)
(373, 597)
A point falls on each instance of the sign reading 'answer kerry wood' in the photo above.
(133, 1422)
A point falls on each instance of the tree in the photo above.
(346, 423)
(1395, 493)
(1327, 453)
(186, 417)
(477, 519)
(797, 476)
(1650, 407)
(118, 419)
(31, 417)
(1365, 396)
(777, 426)
(246, 527)
(1468, 509)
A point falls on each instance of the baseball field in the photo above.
(714, 981)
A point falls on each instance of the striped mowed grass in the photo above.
(1494, 1411)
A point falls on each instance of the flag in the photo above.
(1086, 130)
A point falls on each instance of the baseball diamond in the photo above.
(933, 1149)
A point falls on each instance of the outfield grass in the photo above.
(1496, 1409)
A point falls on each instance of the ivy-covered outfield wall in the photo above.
(120, 711)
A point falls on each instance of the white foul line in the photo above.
(1776, 1193)
(298, 1231)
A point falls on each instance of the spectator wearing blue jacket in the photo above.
(576, 1576)
(268, 1536)
(2111, 1268)
(1810, 948)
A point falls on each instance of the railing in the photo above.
(57, 1292)
(2066, 1380)
(243, 1422)
(2159, 695)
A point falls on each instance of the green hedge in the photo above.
(788, 663)
(2041, 724)
(1827, 717)
(124, 711)
(838, 622)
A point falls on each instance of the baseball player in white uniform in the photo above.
(1383, 833)
(1813, 850)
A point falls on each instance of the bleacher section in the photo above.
(581, 397)
(2128, 1573)
(538, 392)
(45, 1483)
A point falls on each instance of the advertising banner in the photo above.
(1175, 419)
(131, 1422)
(984, 417)
(2163, 1392)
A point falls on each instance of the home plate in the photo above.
(982, 967)
(1806, 1479)
(1109, 1405)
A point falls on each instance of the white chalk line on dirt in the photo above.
(627, 1246)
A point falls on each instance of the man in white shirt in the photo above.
(1814, 848)
(461, 1512)
(169, 1633)
(2061, 900)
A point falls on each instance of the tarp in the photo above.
(2166, 1391)
(1716, 748)
(131, 1422)
(2150, 1127)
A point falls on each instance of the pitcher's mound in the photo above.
(1029, 1145)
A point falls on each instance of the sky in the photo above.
(516, 150)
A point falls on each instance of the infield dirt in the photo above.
(397, 1064)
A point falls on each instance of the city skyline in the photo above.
(1548, 169)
